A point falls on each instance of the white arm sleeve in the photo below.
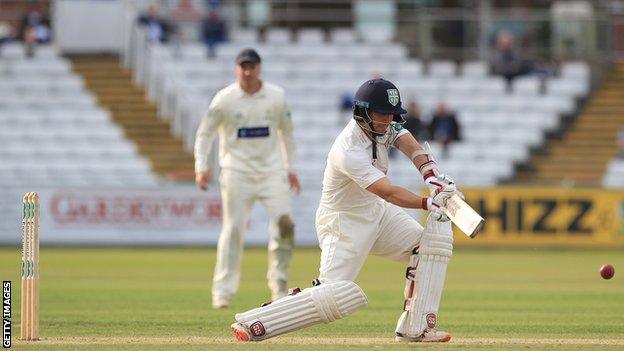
(356, 164)
(286, 136)
(206, 134)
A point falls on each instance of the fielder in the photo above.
(257, 158)
(360, 213)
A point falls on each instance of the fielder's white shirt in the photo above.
(255, 131)
(350, 168)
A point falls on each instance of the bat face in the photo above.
(464, 217)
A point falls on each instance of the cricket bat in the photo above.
(464, 217)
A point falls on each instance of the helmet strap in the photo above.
(370, 131)
(375, 148)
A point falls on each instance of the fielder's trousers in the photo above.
(239, 192)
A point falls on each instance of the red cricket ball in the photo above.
(607, 271)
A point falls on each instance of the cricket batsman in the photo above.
(257, 158)
(359, 214)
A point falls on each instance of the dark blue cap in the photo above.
(248, 55)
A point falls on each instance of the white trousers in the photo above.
(346, 238)
(239, 192)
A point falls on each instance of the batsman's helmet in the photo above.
(377, 95)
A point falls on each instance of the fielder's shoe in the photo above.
(241, 333)
(218, 302)
(431, 335)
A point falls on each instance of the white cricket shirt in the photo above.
(350, 168)
(255, 131)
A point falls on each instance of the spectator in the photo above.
(36, 25)
(516, 24)
(506, 62)
(186, 15)
(214, 31)
(29, 42)
(346, 108)
(35, 29)
(158, 29)
(413, 123)
(444, 127)
(6, 34)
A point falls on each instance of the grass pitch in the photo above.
(159, 299)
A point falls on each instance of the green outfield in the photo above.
(159, 299)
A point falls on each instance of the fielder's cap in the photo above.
(248, 55)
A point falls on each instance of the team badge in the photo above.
(432, 320)
(257, 329)
(393, 96)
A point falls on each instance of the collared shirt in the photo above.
(255, 131)
(351, 169)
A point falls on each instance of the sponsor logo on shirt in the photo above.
(255, 132)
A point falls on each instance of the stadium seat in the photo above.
(576, 71)
(343, 36)
(527, 85)
(48, 118)
(244, 36)
(310, 36)
(567, 87)
(442, 69)
(278, 36)
(474, 69)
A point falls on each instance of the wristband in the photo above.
(428, 175)
(426, 203)
(428, 169)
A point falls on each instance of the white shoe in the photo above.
(431, 335)
(279, 290)
(220, 303)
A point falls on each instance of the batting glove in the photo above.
(435, 205)
(436, 183)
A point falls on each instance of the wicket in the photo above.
(30, 268)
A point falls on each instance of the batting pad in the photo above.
(323, 303)
(436, 249)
